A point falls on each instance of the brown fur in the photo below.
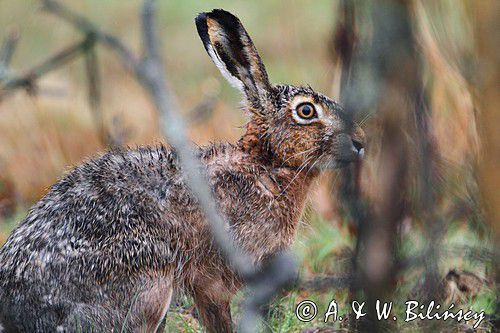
(106, 247)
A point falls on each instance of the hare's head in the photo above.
(291, 126)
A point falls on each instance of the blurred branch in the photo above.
(488, 100)
(6, 53)
(56, 61)
(149, 71)
(344, 52)
(321, 283)
(345, 41)
(151, 75)
(106, 136)
(88, 28)
(427, 180)
(385, 74)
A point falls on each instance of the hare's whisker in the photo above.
(299, 153)
(365, 118)
(299, 170)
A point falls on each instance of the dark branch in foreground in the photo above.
(263, 284)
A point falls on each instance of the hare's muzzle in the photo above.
(348, 149)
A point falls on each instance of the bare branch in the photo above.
(28, 79)
(88, 28)
(262, 285)
(106, 136)
(385, 75)
(428, 181)
(6, 53)
(172, 126)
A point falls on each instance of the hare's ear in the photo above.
(232, 50)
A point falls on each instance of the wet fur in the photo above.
(125, 224)
(108, 245)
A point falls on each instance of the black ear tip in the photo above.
(201, 18)
(220, 15)
(202, 27)
(224, 16)
(228, 21)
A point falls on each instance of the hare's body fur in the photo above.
(106, 247)
(127, 221)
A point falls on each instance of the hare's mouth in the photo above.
(348, 150)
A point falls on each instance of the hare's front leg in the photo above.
(215, 317)
(151, 303)
(214, 310)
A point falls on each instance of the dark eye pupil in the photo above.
(306, 111)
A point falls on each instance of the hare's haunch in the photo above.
(107, 246)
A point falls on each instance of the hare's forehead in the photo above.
(292, 96)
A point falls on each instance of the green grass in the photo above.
(321, 248)
(292, 37)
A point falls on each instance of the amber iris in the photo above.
(306, 111)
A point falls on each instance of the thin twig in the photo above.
(172, 126)
(94, 97)
(263, 284)
(28, 79)
(6, 53)
(87, 27)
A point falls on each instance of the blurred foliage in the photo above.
(40, 137)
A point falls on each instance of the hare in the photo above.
(105, 249)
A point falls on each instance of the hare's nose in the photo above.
(358, 146)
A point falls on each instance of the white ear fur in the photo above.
(233, 52)
(233, 80)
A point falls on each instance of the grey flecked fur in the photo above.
(107, 246)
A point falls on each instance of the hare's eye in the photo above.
(306, 111)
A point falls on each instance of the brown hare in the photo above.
(107, 246)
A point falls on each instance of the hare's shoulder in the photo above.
(119, 194)
(111, 189)
(119, 171)
(223, 157)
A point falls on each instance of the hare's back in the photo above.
(108, 216)
(98, 231)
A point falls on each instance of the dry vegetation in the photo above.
(44, 134)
